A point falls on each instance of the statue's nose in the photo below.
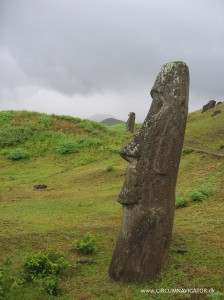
(130, 152)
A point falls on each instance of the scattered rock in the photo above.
(40, 186)
(181, 251)
(218, 103)
(216, 112)
(85, 261)
(148, 193)
(208, 106)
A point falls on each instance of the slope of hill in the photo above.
(78, 161)
(111, 121)
(203, 130)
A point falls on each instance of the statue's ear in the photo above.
(129, 194)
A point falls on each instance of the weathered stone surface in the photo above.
(209, 105)
(130, 124)
(148, 194)
(216, 112)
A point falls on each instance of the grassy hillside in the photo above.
(205, 131)
(78, 161)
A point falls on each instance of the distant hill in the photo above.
(111, 121)
(99, 117)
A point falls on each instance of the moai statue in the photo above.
(209, 105)
(148, 194)
(130, 124)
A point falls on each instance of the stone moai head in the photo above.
(148, 193)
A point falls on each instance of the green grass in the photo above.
(81, 197)
(204, 131)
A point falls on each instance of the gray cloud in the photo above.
(89, 50)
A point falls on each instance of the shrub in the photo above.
(198, 196)
(10, 136)
(180, 203)
(17, 154)
(186, 151)
(59, 261)
(221, 146)
(110, 168)
(205, 191)
(50, 284)
(41, 265)
(15, 135)
(37, 265)
(43, 269)
(67, 147)
(87, 245)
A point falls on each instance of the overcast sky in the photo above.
(82, 57)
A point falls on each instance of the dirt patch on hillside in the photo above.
(66, 127)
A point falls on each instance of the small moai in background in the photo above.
(208, 106)
(148, 193)
(130, 124)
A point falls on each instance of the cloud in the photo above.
(95, 52)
